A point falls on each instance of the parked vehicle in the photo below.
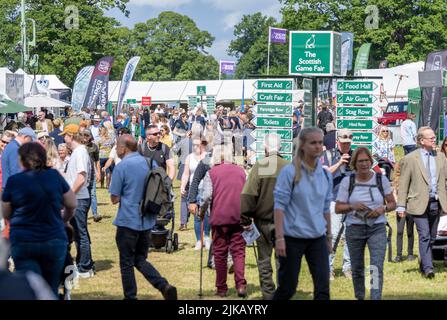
(395, 113)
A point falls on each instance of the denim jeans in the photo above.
(358, 237)
(336, 224)
(316, 253)
(44, 258)
(184, 210)
(133, 247)
(206, 226)
(94, 199)
(81, 236)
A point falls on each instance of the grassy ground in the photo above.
(182, 269)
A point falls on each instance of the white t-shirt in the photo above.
(362, 194)
(408, 132)
(113, 155)
(79, 162)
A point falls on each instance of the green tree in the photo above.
(173, 48)
(251, 28)
(251, 46)
(407, 30)
(64, 48)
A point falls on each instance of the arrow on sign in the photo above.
(286, 146)
(265, 109)
(273, 97)
(272, 122)
(356, 86)
(347, 98)
(273, 84)
(259, 134)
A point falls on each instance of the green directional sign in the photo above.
(356, 124)
(274, 84)
(367, 111)
(307, 98)
(129, 101)
(356, 86)
(307, 84)
(259, 134)
(363, 137)
(307, 122)
(273, 97)
(272, 122)
(353, 98)
(286, 156)
(307, 111)
(263, 109)
(369, 146)
(201, 90)
(258, 146)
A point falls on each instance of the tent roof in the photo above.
(174, 91)
(391, 78)
(54, 83)
(43, 101)
(9, 106)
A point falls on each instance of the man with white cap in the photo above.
(95, 127)
(257, 203)
(337, 160)
(10, 156)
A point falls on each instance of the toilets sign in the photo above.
(315, 53)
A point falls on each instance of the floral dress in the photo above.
(384, 149)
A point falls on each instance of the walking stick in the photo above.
(202, 222)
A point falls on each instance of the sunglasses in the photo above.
(345, 136)
(385, 131)
(154, 134)
(5, 142)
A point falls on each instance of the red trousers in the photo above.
(224, 238)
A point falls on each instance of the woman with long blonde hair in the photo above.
(105, 144)
(384, 150)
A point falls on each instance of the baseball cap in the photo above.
(97, 118)
(71, 128)
(344, 135)
(27, 131)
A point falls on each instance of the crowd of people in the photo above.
(51, 169)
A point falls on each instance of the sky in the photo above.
(218, 17)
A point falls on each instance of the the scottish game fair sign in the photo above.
(315, 53)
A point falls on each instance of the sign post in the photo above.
(273, 114)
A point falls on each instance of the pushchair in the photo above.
(162, 237)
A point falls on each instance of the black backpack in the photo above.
(158, 197)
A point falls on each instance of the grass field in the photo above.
(182, 268)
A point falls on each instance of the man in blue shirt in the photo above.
(133, 231)
(10, 157)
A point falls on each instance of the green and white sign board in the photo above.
(274, 84)
(356, 124)
(273, 97)
(362, 86)
(261, 155)
(352, 98)
(286, 147)
(260, 133)
(270, 122)
(131, 101)
(367, 111)
(267, 109)
(193, 101)
(315, 53)
(201, 90)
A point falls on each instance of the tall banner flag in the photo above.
(432, 101)
(276, 35)
(227, 67)
(361, 61)
(129, 71)
(347, 52)
(97, 84)
(80, 88)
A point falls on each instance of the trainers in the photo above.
(198, 245)
(207, 243)
(86, 274)
(348, 274)
(332, 276)
(170, 292)
(221, 294)
(97, 218)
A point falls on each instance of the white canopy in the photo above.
(43, 101)
(175, 91)
(408, 73)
